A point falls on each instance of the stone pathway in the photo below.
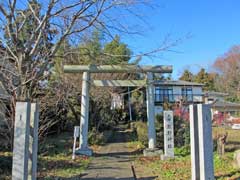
(113, 161)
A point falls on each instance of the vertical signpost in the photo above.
(168, 134)
(75, 136)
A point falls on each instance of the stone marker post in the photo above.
(150, 112)
(168, 134)
(25, 141)
(21, 141)
(33, 142)
(201, 142)
(83, 144)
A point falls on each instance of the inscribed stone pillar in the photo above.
(33, 142)
(21, 141)
(168, 134)
(205, 142)
(195, 168)
(150, 112)
(201, 142)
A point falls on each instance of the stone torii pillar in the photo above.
(150, 112)
(83, 140)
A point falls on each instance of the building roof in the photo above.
(215, 94)
(176, 83)
(225, 104)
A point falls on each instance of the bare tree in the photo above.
(32, 31)
(227, 68)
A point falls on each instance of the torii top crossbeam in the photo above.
(116, 69)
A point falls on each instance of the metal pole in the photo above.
(129, 105)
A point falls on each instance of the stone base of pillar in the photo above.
(86, 152)
(152, 152)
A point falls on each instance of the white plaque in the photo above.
(76, 131)
(168, 134)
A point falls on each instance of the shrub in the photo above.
(181, 131)
(96, 138)
(136, 145)
(142, 132)
(159, 131)
(182, 151)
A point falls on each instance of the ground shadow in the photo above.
(232, 146)
(121, 155)
(229, 175)
(5, 164)
(126, 178)
(121, 136)
(78, 177)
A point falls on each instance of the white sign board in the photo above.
(168, 134)
(76, 131)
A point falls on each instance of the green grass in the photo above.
(179, 168)
(135, 145)
(54, 160)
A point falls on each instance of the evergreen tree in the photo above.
(91, 49)
(200, 76)
(206, 79)
(187, 76)
(203, 77)
(117, 52)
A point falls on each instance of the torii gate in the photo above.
(87, 70)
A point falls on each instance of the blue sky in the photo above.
(214, 26)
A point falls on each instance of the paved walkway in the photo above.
(113, 161)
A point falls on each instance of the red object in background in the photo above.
(218, 118)
(181, 112)
(236, 121)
